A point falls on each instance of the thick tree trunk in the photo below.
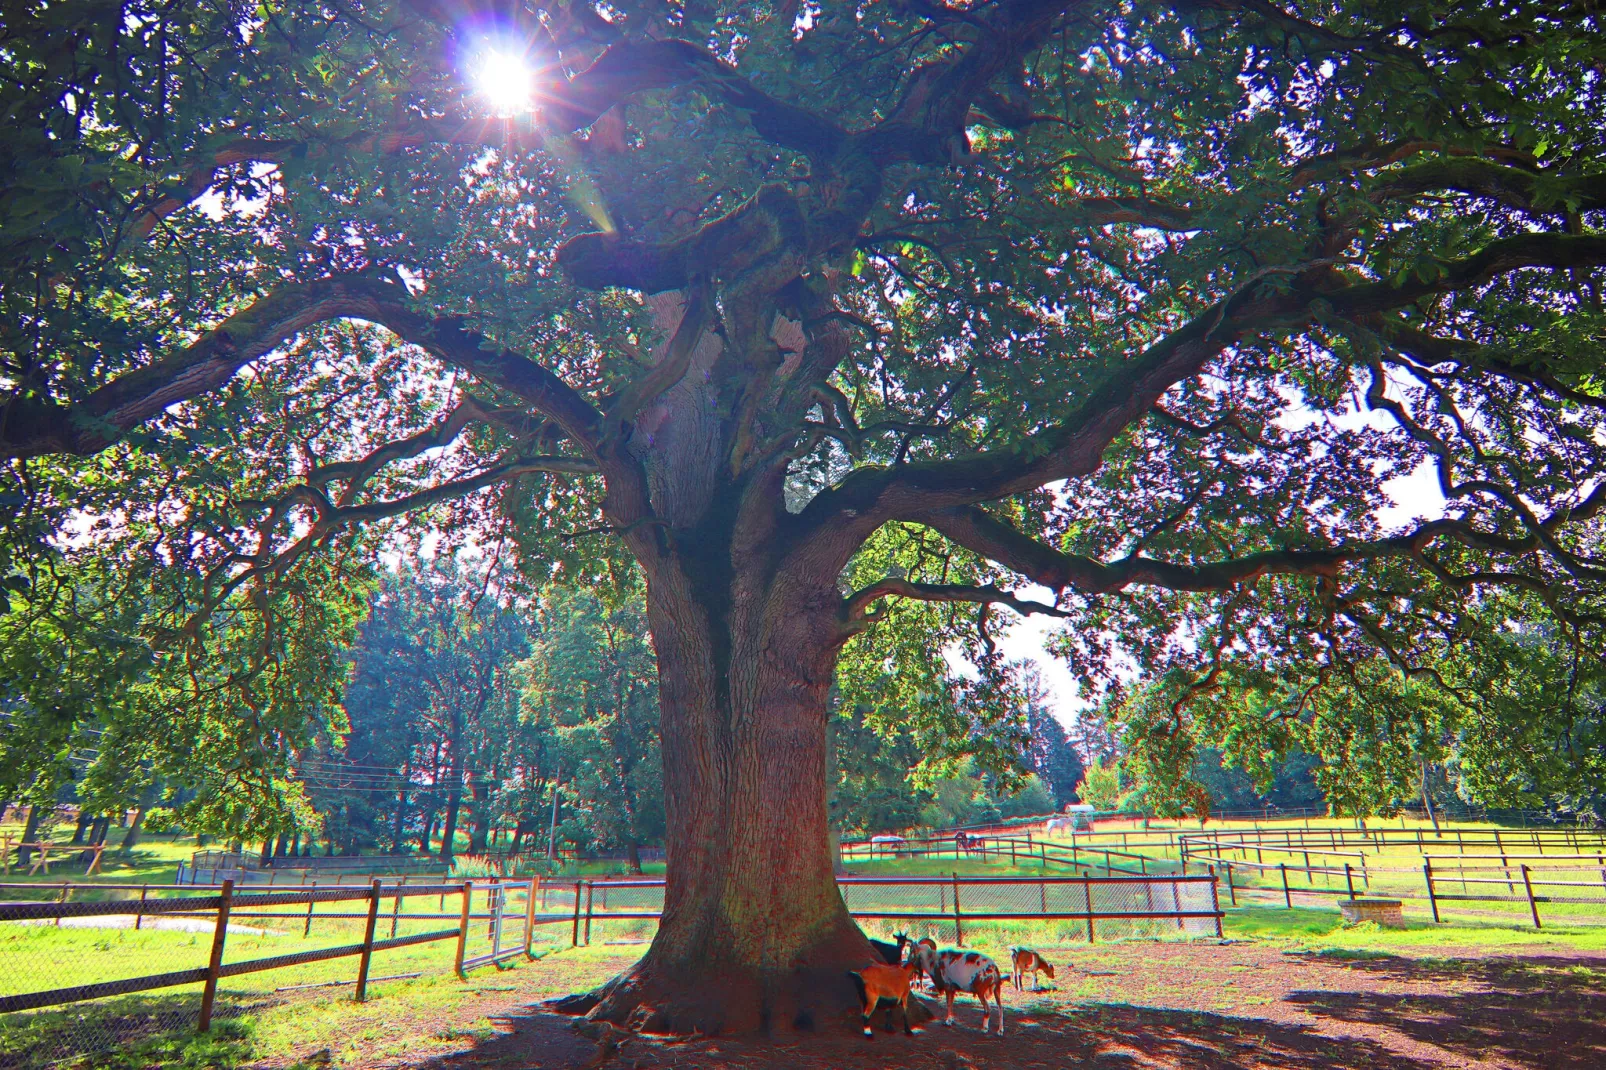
(131, 837)
(454, 798)
(397, 846)
(30, 833)
(755, 935)
(480, 819)
(1427, 800)
(454, 803)
(633, 856)
(428, 832)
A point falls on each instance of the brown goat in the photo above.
(880, 981)
(1026, 961)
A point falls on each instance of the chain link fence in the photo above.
(960, 910)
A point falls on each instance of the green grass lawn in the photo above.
(414, 1018)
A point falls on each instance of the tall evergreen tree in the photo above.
(1051, 757)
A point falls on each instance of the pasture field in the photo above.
(1287, 989)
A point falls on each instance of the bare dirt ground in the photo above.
(1132, 1006)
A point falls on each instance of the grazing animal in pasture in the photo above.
(965, 971)
(879, 981)
(892, 954)
(1023, 961)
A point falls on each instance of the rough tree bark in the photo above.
(454, 787)
(755, 934)
(131, 837)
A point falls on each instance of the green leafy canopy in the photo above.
(898, 306)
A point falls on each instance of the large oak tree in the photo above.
(825, 314)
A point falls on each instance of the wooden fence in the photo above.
(227, 906)
(1079, 855)
(1189, 903)
(1565, 869)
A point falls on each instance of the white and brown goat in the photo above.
(953, 971)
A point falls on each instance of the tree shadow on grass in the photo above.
(129, 1031)
(1127, 1035)
(1548, 1013)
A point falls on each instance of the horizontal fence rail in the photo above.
(507, 917)
(1018, 851)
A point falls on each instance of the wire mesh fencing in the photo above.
(956, 910)
(57, 945)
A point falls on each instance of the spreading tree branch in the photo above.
(30, 425)
(992, 538)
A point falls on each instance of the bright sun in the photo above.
(506, 81)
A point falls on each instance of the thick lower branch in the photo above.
(855, 605)
(31, 426)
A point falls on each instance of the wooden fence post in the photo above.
(368, 940)
(959, 931)
(1215, 898)
(395, 908)
(1087, 901)
(66, 890)
(1288, 896)
(591, 889)
(144, 890)
(306, 930)
(1231, 891)
(1527, 885)
(215, 962)
(574, 938)
(466, 889)
(1349, 881)
(529, 917)
(1427, 875)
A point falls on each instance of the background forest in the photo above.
(475, 715)
(470, 714)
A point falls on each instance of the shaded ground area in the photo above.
(1181, 1006)
(1259, 1004)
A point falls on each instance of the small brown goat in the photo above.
(880, 981)
(1025, 961)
